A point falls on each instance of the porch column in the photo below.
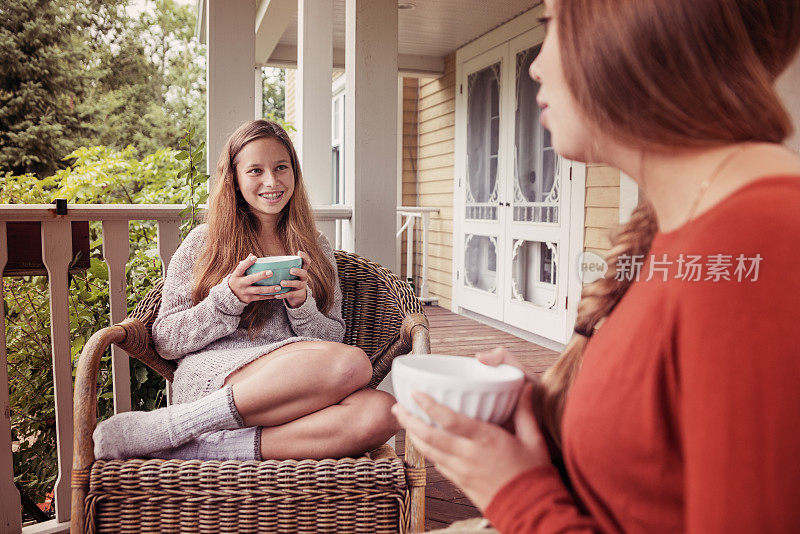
(371, 129)
(231, 40)
(313, 98)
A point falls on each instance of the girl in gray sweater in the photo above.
(261, 375)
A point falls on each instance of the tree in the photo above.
(273, 83)
(44, 74)
(86, 73)
(151, 81)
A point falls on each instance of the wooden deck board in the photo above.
(461, 336)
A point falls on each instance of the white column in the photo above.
(313, 98)
(371, 128)
(231, 56)
(628, 197)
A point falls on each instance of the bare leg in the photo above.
(296, 380)
(359, 423)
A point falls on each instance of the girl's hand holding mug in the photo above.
(242, 284)
(297, 295)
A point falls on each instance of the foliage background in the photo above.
(97, 105)
(99, 174)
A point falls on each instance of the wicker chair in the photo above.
(376, 493)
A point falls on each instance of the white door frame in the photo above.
(498, 37)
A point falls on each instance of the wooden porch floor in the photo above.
(462, 336)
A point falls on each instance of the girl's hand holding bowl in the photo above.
(297, 289)
(272, 277)
(242, 283)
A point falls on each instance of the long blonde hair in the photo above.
(233, 229)
(696, 73)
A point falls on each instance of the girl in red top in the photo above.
(676, 405)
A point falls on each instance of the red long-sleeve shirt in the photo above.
(685, 415)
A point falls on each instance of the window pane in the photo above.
(535, 191)
(483, 142)
(534, 272)
(480, 262)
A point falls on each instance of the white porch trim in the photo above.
(408, 65)
(272, 19)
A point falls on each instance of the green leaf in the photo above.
(141, 375)
(98, 269)
(182, 156)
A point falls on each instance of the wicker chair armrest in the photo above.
(415, 332)
(138, 344)
(85, 414)
(130, 335)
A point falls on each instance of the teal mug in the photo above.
(280, 267)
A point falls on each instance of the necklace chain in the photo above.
(711, 177)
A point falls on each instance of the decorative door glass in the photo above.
(536, 183)
(534, 272)
(483, 142)
(480, 262)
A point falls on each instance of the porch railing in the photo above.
(57, 253)
(410, 214)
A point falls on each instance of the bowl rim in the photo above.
(487, 381)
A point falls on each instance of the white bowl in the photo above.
(463, 384)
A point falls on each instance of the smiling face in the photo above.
(265, 178)
(560, 112)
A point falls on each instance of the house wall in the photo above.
(601, 208)
(436, 128)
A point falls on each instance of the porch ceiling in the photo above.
(433, 29)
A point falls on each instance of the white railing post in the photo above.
(116, 251)
(423, 213)
(57, 253)
(410, 249)
(10, 511)
(423, 288)
(168, 235)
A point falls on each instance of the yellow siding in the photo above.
(436, 138)
(601, 209)
(409, 198)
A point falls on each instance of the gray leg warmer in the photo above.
(136, 434)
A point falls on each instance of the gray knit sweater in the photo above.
(207, 337)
